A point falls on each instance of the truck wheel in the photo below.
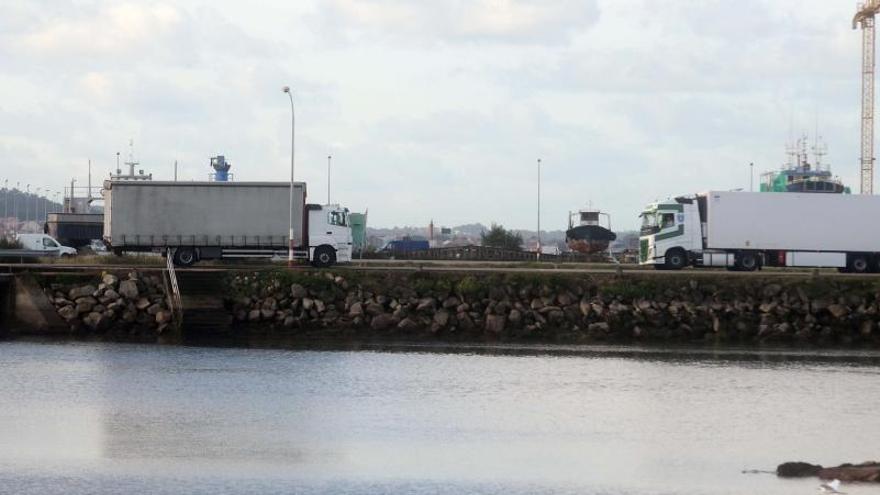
(858, 264)
(324, 256)
(747, 262)
(184, 256)
(676, 259)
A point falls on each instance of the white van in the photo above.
(43, 242)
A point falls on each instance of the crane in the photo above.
(864, 18)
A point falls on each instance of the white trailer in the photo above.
(745, 231)
(211, 220)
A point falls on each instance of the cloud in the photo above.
(460, 21)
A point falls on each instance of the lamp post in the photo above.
(15, 208)
(290, 245)
(37, 206)
(328, 178)
(5, 200)
(27, 204)
(539, 210)
(751, 177)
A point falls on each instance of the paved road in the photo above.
(443, 266)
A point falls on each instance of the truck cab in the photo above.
(44, 243)
(671, 233)
(330, 238)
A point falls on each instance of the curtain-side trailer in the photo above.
(212, 220)
(745, 231)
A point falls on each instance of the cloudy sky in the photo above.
(432, 109)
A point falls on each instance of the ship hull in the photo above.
(589, 239)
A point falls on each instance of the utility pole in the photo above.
(328, 178)
(27, 204)
(539, 210)
(175, 170)
(5, 200)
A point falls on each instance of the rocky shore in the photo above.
(569, 308)
(131, 304)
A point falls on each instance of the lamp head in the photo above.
(286, 89)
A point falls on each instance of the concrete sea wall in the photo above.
(498, 307)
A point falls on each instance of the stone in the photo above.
(298, 291)
(95, 321)
(320, 307)
(425, 304)
(495, 323)
(163, 317)
(585, 307)
(267, 314)
(407, 324)
(356, 309)
(772, 290)
(129, 316)
(129, 289)
(515, 317)
(77, 292)
(564, 299)
(867, 327)
(110, 280)
(441, 318)
(308, 303)
(556, 316)
(797, 470)
(838, 310)
(254, 315)
(451, 302)
(68, 312)
(381, 322)
(536, 304)
(375, 309)
(288, 322)
(84, 307)
(111, 295)
(142, 304)
(270, 303)
(154, 309)
(600, 326)
(465, 322)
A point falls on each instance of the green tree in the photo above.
(500, 237)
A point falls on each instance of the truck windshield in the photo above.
(650, 222)
(337, 218)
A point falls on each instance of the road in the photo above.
(438, 266)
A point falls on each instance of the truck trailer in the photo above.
(745, 231)
(213, 220)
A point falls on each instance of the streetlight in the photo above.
(291, 243)
(15, 207)
(751, 177)
(5, 200)
(328, 178)
(539, 210)
(27, 204)
(37, 206)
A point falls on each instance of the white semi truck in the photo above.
(745, 231)
(212, 220)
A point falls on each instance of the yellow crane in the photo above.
(864, 18)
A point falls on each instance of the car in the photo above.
(45, 243)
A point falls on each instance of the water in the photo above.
(108, 418)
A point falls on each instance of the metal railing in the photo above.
(172, 290)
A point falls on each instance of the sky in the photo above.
(432, 110)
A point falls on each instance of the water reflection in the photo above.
(420, 419)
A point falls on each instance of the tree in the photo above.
(500, 237)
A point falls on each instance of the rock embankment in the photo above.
(560, 308)
(135, 304)
(867, 471)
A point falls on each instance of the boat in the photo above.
(799, 175)
(588, 236)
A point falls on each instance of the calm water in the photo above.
(107, 418)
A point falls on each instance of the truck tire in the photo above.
(858, 263)
(324, 256)
(185, 256)
(676, 259)
(746, 262)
